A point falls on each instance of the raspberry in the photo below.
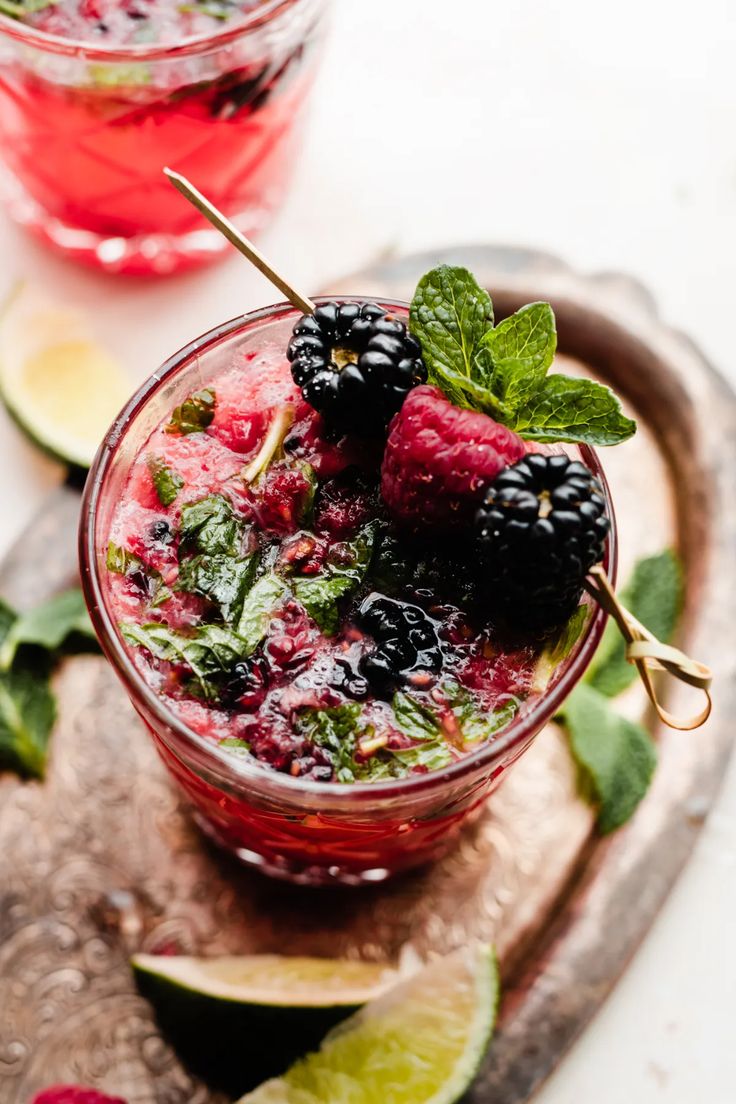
(440, 459)
(280, 499)
(74, 1094)
(345, 503)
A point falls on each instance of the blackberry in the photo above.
(161, 532)
(246, 685)
(542, 527)
(406, 642)
(355, 364)
(349, 681)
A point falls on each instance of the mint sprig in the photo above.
(210, 652)
(30, 644)
(616, 757)
(502, 370)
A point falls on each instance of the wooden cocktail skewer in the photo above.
(642, 647)
(241, 243)
(649, 654)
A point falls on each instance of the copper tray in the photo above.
(101, 859)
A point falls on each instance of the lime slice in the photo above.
(236, 1020)
(419, 1043)
(61, 388)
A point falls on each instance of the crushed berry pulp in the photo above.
(265, 595)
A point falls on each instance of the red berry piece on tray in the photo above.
(74, 1094)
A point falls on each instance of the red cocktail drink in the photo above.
(239, 565)
(96, 98)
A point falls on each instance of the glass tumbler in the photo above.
(86, 130)
(300, 830)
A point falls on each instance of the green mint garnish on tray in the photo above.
(502, 370)
(30, 644)
(194, 414)
(616, 757)
(48, 626)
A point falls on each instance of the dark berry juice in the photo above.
(328, 691)
(97, 96)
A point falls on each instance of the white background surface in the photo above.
(603, 132)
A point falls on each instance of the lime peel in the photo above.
(273, 980)
(60, 387)
(420, 1043)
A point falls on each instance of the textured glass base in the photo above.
(140, 255)
(286, 871)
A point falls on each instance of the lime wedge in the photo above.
(61, 388)
(419, 1043)
(236, 1020)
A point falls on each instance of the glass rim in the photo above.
(519, 730)
(141, 51)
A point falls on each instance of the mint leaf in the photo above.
(320, 594)
(520, 349)
(210, 525)
(123, 562)
(194, 414)
(19, 9)
(47, 625)
(27, 714)
(236, 746)
(259, 606)
(222, 579)
(577, 410)
(306, 516)
(476, 725)
(501, 371)
(120, 561)
(450, 314)
(216, 9)
(569, 634)
(413, 718)
(212, 650)
(166, 481)
(336, 730)
(616, 757)
(7, 617)
(417, 721)
(654, 595)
